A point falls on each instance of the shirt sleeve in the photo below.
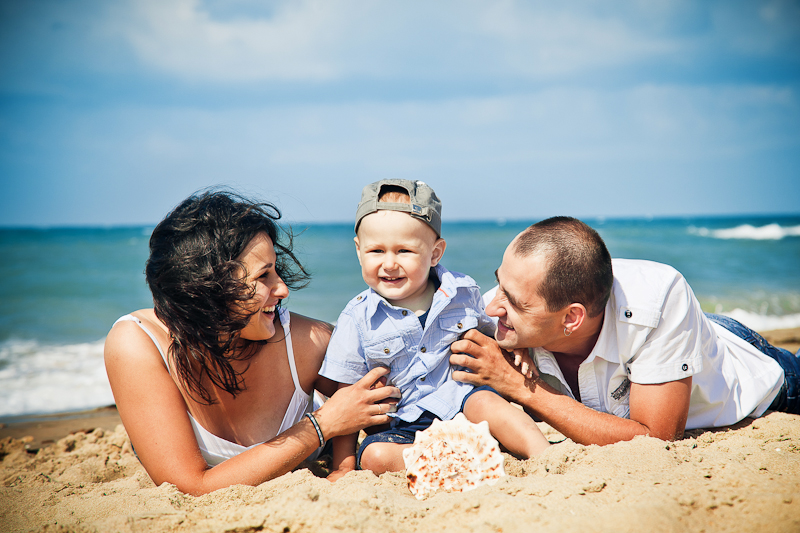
(485, 323)
(344, 359)
(673, 349)
(488, 296)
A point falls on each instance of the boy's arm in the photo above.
(344, 452)
(344, 456)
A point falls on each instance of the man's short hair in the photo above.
(577, 261)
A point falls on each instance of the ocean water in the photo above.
(62, 289)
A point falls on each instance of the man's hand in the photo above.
(524, 363)
(489, 365)
(656, 410)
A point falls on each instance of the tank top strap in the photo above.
(287, 333)
(131, 318)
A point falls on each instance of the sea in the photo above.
(61, 289)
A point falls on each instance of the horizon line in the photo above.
(499, 221)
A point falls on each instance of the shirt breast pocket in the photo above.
(390, 353)
(455, 325)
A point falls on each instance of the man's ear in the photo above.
(358, 249)
(575, 316)
(438, 251)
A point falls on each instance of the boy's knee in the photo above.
(368, 457)
(478, 404)
(377, 457)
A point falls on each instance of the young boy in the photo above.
(407, 319)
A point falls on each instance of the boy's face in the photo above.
(396, 252)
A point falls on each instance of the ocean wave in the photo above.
(760, 322)
(39, 378)
(746, 231)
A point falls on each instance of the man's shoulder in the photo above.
(634, 276)
(638, 267)
(641, 285)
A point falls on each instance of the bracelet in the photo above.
(316, 426)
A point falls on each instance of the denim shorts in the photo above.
(787, 399)
(402, 432)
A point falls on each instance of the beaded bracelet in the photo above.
(316, 426)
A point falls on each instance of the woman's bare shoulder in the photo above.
(306, 329)
(126, 339)
(310, 338)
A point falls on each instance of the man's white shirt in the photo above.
(654, 331)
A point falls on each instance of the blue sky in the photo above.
(111, 112)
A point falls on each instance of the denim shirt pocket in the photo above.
(456, 324)
(390, 352)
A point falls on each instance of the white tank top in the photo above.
(216, 449)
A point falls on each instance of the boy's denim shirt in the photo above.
(371, 332)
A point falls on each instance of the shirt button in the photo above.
(628, 314)
(685, 367)
(386, 350)
(359, 298)
(459, 325)
(422, 378)
(405, 313)
(423, 350)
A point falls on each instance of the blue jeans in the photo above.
(787, 400)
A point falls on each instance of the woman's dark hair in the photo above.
(578, 263)
(199, 286)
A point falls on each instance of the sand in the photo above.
(745, 478)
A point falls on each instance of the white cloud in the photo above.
(318, 40)
(180, 38)
(562, 144)
(547, 40)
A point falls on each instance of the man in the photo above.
(620, 353)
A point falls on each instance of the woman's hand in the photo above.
(364, 404)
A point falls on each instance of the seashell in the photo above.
(454, 456)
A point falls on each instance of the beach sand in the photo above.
(77, 472)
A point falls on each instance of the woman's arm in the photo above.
(154, 414)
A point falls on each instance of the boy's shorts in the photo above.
(402, 432)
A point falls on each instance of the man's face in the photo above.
(523, 318)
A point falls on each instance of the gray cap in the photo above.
(425, 205)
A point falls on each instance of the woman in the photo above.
(218, 374)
